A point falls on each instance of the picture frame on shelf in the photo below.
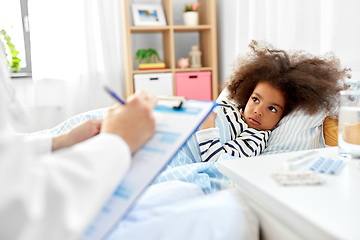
(148, 15)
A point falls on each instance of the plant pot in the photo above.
(191, 18)
(148, 66)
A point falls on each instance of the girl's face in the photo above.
(265, 107)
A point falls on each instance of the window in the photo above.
(15, 34)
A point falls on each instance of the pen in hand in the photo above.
(113, 94)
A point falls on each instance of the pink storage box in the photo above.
(194, 85)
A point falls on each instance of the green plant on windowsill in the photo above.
(14, 63)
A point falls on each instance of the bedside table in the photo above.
(327, 211)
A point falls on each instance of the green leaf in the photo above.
(11, 46)
(14, 70)
(16, 60)
(14, 53)
(188, 8)
(141, 54)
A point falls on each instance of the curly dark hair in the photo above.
(307, 81)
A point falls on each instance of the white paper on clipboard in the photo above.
(173, 128)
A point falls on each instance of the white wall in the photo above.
(345, 36)
(227, 37)
(317, 26)
(44, 101)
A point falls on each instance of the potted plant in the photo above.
(191, 17)
(14, 62)
(150, 56)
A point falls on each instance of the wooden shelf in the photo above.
(153, 71)
(176, 28)
(193, 69)
(207, 42)
(149, 29)
(182, 28)
(173, 70)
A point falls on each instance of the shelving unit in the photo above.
(207, 42)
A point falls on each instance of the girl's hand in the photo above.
(80, 133)
(209, 121)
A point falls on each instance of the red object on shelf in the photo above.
(194, 85)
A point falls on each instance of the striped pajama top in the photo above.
(245, 141)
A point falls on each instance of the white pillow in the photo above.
(297, 131)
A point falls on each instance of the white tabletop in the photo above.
(327, 211)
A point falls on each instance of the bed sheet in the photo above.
(186, 165)
(67, 125)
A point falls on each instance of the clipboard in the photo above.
(174, 126)
(172, 102)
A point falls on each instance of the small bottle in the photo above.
(195, 57)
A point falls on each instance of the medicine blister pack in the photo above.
(327, 166)
(297, 178)
(305, 169)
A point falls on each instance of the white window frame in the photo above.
(27, 71)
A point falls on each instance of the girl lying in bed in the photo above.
(266, 85)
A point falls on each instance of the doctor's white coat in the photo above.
(53, 195)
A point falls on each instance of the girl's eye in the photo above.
(273, 109)
(255, 99)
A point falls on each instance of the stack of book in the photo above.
(149, 66)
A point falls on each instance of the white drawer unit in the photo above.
(155, 83)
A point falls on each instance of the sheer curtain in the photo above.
(317, 26)
(76, 49)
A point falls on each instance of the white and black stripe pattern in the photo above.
(245, 141)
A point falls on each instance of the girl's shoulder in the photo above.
(235, 113)
(230, 109)
(228, 105)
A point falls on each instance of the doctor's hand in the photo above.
(134, 121)
(78, 134)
